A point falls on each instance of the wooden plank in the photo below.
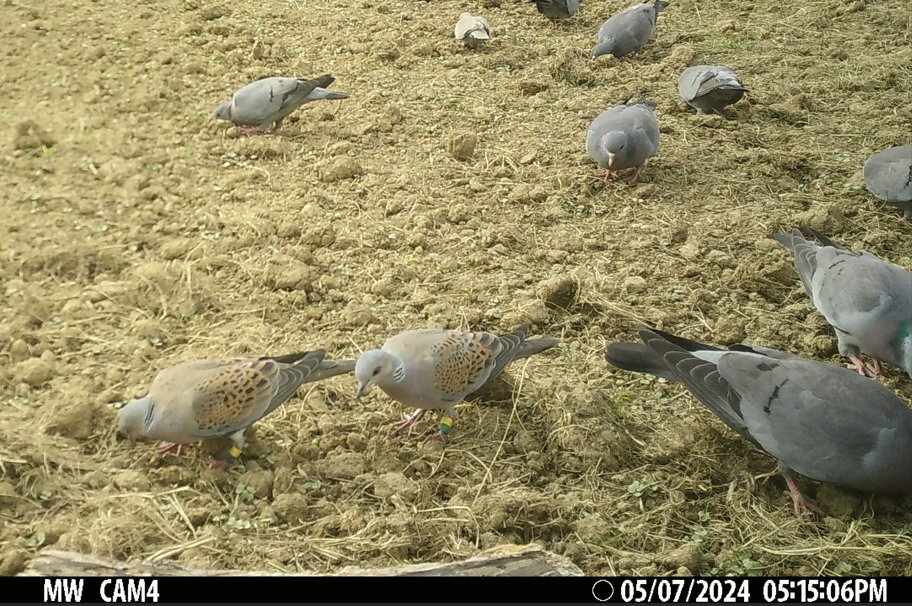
(508, 560)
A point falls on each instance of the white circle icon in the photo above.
(609, 589)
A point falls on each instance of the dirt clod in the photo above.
(462, 146)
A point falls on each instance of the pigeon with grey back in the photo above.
(709, 88)
(867, 301)
(557, 9)
(822, 421)
(269, 101)
(203, 399)
(471, 30)
(436, 369)
(888, 176)
(624, 137)
(629, 30)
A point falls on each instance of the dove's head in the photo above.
(374, 367)
(223, 111)
(613, 143)
(605, 47)
(135, 418)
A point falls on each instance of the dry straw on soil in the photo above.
(452, 190)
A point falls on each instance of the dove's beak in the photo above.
(610, 160)
(362, 387)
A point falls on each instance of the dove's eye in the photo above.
(376, 371)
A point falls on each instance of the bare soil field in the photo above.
(451, 190)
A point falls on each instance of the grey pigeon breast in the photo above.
(270, 100)
(629, 30)
(709, 88)
(868, 301)
(888, 176)
(824, 422)
(639, 124)
(819, 420)
(557, 9)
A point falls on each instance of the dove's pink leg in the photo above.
(220, 464)
(636, 175)
(608, 174)
(804, 506)
(439, 436)
(866, 370)
(175, 448)
(250, 130)
(443, 430)
(407, 424)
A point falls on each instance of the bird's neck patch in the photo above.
(150, 416)
(399, 373)
(903, 341)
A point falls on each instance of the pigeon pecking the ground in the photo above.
(868, 301)
(709, 88)
(472, 30)
(557, 9)
(269, 101)
(436, 369)
(203, 399)
(629, 30)
(822, 421)
(624, 137)
(888, 176)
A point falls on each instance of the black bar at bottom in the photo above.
(467, 590)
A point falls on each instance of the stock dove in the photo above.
(557, 9)
(202, 399)
(472, 30)
(264, 102)
(822, 421)
(709, 88)
(867, 300)
(888, 176)
(627, 31)
(624, 137)
(433, 368)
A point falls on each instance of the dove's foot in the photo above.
(220, 464)
(407, 424)
(439, 436)
(251, 130)
(804, 507)
(867, 370)
(443, 430)
(636, 175)
(609, 174)
(174, 448)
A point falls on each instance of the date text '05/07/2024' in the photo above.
(739, 590)
(112, 590)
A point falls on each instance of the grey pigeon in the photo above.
(624, 137)
(203, 399)
(268, 101)
(709, 88)
(867, 300)
(436, 369)
(822, 421)
(557, 9)
(888, 176)
(627, 31)
(472, 30)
